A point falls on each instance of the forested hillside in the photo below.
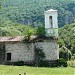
(31, 12)
(9, 28)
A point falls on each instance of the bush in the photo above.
(53, 64)
(62, 62)
(65, 53)
(73, 57)
(58, 63)
(43, 64)
(19, 63)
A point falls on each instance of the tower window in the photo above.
(8, 56)
(51, 21)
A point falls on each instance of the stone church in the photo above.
(13, 49)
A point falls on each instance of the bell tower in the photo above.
(51, 23)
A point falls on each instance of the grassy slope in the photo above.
(11, 70)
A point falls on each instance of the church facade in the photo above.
(13, 49)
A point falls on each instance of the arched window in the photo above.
(51, 21)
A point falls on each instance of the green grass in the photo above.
(16, 70)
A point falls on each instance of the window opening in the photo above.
(51, 21)
(8, 56)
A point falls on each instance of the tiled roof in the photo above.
(11, 39)
(21, 38)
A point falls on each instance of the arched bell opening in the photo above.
(51, 21)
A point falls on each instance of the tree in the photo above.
(67, 37)
(41, 31)
(1, 3)
(29, 31)
(61, 43)
(73, 46)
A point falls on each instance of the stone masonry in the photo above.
(25, 52)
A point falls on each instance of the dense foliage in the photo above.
(1, 3)
(9, 28)
(19, 63)
(61, 62)
(67, 37)
(65, 53)
(31, 12)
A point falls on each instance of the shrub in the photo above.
(65, 53)
(58, 63)
(19, 63)
(73, 57)
(62, 62)
(53, 64)
(43, 64)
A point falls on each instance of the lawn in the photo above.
(16, 70)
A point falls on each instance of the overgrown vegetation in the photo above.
(39, 57)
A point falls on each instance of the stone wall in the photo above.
(50, 48)
(25, 52)
(20, 51)
(2, 53)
